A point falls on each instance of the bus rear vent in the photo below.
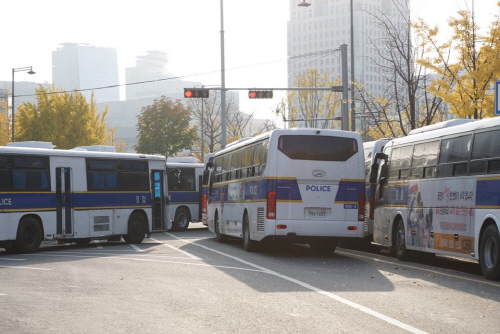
(261, 215)
(101, 223)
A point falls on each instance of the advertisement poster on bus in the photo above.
(441, 214)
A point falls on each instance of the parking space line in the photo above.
(175, 248)
(142, 259)
(20, 267)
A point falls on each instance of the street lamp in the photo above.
(29, 69)
(353, 104)
(223, 80)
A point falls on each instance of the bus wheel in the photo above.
(219, 236)
(181, 220)
(489, 255)
(400, 242)
(29, 236)
(324, 246)
(248, 244)
(136, 229)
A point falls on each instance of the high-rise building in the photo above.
(149, 78)
(317, 31)
(87, 69)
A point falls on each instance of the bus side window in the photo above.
(246, 162)
(454, 156)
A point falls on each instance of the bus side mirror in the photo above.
(383, 173)
(210, 164)
(206, 174)
(377, 161)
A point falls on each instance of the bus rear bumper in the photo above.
(324, 228)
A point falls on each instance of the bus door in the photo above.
(158, 199)
(64, 202)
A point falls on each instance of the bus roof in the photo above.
(462, 128)
(75, 153)
(440, 125)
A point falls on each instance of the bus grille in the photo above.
(261, 214)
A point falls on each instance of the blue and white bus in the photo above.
(184, 192)
(305, 185)
(78, 195)
(438, 191)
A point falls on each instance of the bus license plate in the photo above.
(317, 212)
(350, 206)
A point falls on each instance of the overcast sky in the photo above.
(187, 30)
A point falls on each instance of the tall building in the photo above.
(315, 32)
(149, 78)
(87, 69)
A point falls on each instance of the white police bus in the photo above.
(305, 185)
(78, 195)
(438, 191)
(184, 191)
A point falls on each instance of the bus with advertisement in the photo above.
(438, 192)
(184, 191)
(78, 195)
(302, 185)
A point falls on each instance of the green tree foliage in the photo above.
(467, 64)
(65, 119)
(164, 128)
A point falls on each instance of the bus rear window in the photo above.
(318, 148)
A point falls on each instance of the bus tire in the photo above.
(489, 255)
(218, 235)
(29, 236)
(248, 244)
(136, 229)
(323, 247)
(402, 253)
(181, 220)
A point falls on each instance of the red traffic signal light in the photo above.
(196, 93)
(260, 94)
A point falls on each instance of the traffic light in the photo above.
(260, 94)
(195, 93)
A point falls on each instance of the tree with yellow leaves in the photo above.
(314, 108)
(63, 118)
(467, 64)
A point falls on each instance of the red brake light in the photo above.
(271, 205)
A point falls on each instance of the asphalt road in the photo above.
(186, 282)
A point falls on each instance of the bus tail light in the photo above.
(271, 205)
(204, 205)
(361, 207)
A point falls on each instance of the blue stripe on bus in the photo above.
(183, 197)
(287, 190)
(487, 193)
(10, 202)
(349, 191)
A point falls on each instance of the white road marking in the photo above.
(347, 302)
(175, 248)
(20, 267)
(136, 247)
(11, 259)
(139, 259)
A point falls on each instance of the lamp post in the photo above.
(223, 80)
(353, 104)
(29, 69)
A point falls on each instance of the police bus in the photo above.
(438, 191)
(184, 191)
(304, 185)
(78, 195)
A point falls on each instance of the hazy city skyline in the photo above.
(188, 31)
